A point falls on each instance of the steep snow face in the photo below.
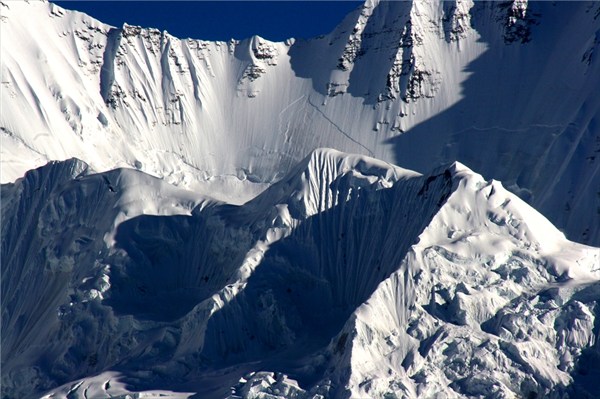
(484, 304)
(349, 277)
(57, 227)
(415, 83)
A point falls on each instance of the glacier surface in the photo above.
(507, 88)
(350, 277)
(175, 222)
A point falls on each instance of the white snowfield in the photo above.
(173, 224)
(509, 89)
(350, 277)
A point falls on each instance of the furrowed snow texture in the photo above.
(170, 227)
(507, 88)
(348, 278)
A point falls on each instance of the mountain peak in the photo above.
(388, 69)
(318, 181)
(314, 279)
(345, 275)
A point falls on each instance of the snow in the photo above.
(350, 275)
(107, 385)
(485, 258)
(172, 226)
(413, 88)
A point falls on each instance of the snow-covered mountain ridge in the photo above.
(172, 227)
(350, 277)
(508, 88)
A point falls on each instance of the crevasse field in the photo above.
(194, 219)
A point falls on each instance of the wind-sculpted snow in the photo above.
(288, 271)
(508, 88)
(350, 277)
(57, 225)
(478, 306)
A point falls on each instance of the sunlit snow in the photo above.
(184, 218)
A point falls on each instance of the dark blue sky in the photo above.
(222, 20)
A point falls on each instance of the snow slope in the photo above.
(508, 88)
(171, 229)
(350, 277)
